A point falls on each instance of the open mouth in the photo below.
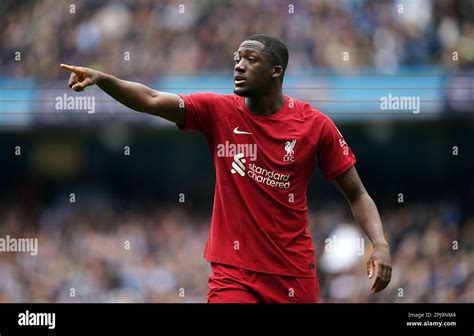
(239, 80)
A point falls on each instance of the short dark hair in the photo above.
(274, 47)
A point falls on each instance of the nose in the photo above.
(239, 67)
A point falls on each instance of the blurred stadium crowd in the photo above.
(111, 253)
(161, 37)
(155, 255)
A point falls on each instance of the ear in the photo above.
(277, 71)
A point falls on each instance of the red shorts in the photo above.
(229, 284)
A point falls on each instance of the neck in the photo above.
(266, 104)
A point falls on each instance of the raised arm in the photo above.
(367, 216)
(133, 95)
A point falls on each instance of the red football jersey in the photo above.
(263, 167)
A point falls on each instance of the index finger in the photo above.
(70, 68)
(378, 276)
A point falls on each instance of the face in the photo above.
(253, 71)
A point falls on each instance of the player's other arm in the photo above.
(367, 216)
(133, 95)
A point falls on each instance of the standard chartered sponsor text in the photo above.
(268, 177)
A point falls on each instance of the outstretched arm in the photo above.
(133, 95)
(367, 216)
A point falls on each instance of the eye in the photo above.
(236, 60)
(252, 60)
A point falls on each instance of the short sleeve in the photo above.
(199, 107)
(334, 154)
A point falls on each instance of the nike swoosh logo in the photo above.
(236, 131)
